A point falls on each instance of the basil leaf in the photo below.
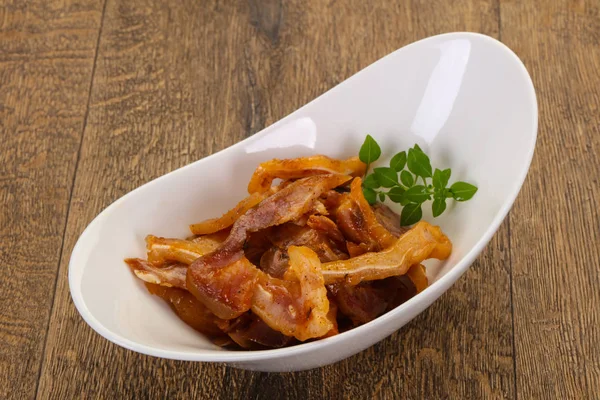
(438, 206)
(462, 191)
(417, 194)
(418, 163)
(440, 178)
(369, 151)
(407, 178)
(396, 194)
(398, 162)
(370, 182)
(370, 195)
(386, 177)
(382, 197)
(411, 213)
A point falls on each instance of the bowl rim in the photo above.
(435, 290)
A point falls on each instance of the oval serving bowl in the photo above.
(465, 98)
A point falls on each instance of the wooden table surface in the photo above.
(100, 96)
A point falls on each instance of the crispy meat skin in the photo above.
(184, 251)
(226, 220)
(423, 241)
(302, 167)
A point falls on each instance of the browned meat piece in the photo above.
(361, 303)
(351, 222)
(389, 219)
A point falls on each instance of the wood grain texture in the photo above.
(555, 224)
(177, 81)
(46, 58)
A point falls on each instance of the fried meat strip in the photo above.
(302, 167)
(421, 242)
(226, 220)
(184, 251)
(296, 305)
(332, 316)
(286, 205)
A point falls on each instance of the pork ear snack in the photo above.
(309, 257)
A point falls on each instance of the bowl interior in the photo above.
(465, 99)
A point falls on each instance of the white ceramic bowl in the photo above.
(465, 98)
